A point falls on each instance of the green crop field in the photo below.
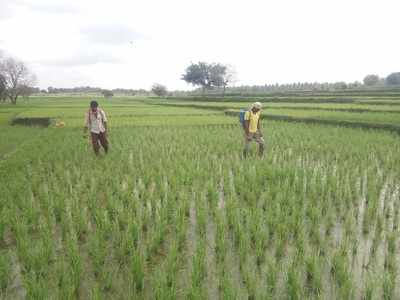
(174, 211)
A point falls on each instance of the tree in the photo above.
(393, 79)
(107, 93)
(3, 89)
(159, 89)
(229, 77)
(371, 80)
(3, 86)
(16, 76)
(205, 75)
(27, 91)
(340, 85)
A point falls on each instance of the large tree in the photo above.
(16, 77)
(371, 80)
(393, 79)
(159, 89)
(228, 77)
(206, 75)
(107, 94)
(3, 89)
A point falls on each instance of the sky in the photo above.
(133, 44)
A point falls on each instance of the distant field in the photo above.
(175, 212)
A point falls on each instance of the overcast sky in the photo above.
(133, 44)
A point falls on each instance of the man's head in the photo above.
(256, 107)
(94, 105)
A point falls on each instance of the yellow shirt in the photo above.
(253, 120)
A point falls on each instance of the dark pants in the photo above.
(97, 139)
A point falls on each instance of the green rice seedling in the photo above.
(370, 288)
(271, 277)
(390, 263)
(134, 233)
(103, 224)
(171, 265)
(293, 283)
(313, 275)
(341, 275)
(376, 241)
(349, 224)
(162, 289)
(59, 208)
(199, 266)
(280, 249)
(36, 286)
(250, 281)
(47, 244)
(66, 227)
(4, 216)
(243, 247)
(201, 216)
(260, 252)
(199, 272)
(79, 220)
(66, 289)
(181, 228)
(5, 270)
(137, 269)
(98, 252)
(23, 243)
(157, 236)
(38, 259)
(388, 285)
(123, 247)
(396, 215)
(226, 288)
(212, 196)
(392, 242)
(108, 277)
(74, 264)
(329, 227)
(300, 244)
(195, 293)
(355, 244)
(220, 238)
(96, 292)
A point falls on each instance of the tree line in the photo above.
(212, 78)
(157, 89)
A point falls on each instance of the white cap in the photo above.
(257, 105)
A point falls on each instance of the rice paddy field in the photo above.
(175, 212)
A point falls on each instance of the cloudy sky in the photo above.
(133, 44)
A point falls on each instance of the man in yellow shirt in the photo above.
(252, 129)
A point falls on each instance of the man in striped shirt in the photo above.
(96, 122)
